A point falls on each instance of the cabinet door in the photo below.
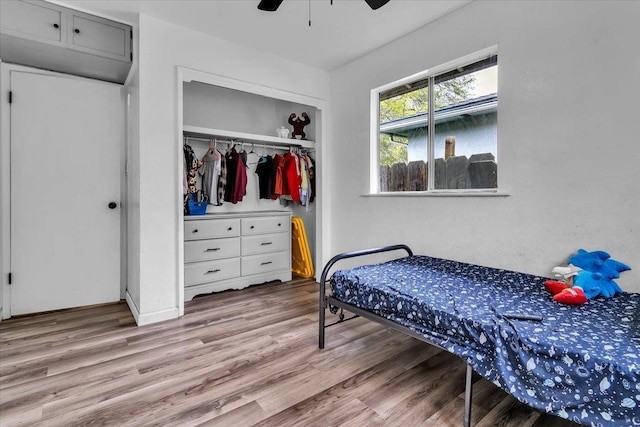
(98, 36)
(34, 21)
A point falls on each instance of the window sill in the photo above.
(440, 193)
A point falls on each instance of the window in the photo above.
(446, 118)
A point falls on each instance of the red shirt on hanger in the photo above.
(292, 176)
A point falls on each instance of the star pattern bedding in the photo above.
(580, 362)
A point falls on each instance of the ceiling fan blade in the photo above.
(376, 4)
(270, 5)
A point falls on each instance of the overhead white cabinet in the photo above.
(99, 36)
(41, 22)
(44, 35)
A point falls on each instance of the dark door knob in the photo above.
(77, 31)
(113, 205)
(56, 26)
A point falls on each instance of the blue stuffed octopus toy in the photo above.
(587, 275)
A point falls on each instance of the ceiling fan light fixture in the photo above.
(376, 4)
(270, 5)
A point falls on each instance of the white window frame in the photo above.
(374, 122)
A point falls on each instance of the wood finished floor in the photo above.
(236, 358)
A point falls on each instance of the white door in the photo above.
(66, 141)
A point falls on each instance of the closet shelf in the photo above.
(200, 132)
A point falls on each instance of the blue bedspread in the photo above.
(580, 362)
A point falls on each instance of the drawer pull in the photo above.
(266, 243)
(230, 228)
(77, 31)
(213, 271)
(279, 224)
(56, 26)
(252, 227)
(266, 263)
(212, 249)
(195, 231)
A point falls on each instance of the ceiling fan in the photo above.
(272, 5)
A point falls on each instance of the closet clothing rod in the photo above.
(232, 141)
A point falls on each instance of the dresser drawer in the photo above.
(203, 250)
(212, 228)
(265, 243)
(257, 264)
(211, 271)
(264, 225)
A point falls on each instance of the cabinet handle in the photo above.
(195, 231)
(230, 228)
(212, 249)
(265, 243)
(56, 26)
(77, 31)
(213, 271)
(279, 224)
(266, 263)
(252, 227)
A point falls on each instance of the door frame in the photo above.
(5, 182)
(185, 75)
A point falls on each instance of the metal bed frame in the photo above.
(327, 300)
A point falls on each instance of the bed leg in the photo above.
(321, 318)
(468, 390)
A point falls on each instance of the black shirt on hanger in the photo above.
(265, 170)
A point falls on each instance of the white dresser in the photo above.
(233, 251)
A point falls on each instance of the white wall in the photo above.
(567, 139)
(163, 47)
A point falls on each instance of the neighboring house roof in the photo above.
(482, 105)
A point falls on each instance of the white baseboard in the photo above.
(149, 318)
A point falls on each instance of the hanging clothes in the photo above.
(210, 172)
(304, 181)
(309, 166)
(231, 174)
(292, 176)
(236, 177)
(222, 179)
(185, 181)
(192, 164)
(312, 178)
(265, 169)
(277, 178)
(240, 187)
